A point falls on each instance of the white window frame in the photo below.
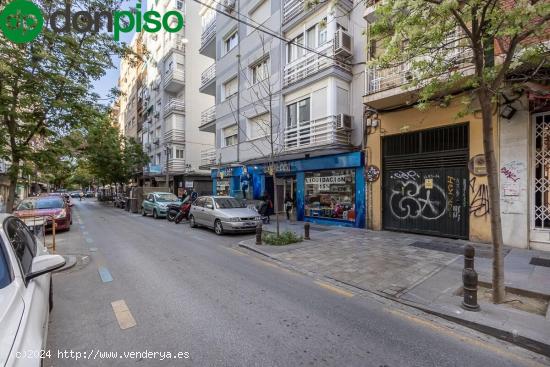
(235, 135)
(226, 96)
(253, 120)
(257, 66)
(227, 41)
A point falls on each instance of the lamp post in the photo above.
(168, 149)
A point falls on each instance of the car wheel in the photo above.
(155, 215)
(192, 223)
(143, 212)
(218, 227)
(50, 297)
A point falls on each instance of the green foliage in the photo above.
(285, 238)
(438, 37)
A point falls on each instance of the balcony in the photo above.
(296, 10)
(174, 106)
(327, 132)
(208, 157)
(174, 136)
(208, 120)
(208, 81)
(313, 63)
(208, 39)
(178, 165)
(173, 80)
(176, 44)
(387, 87)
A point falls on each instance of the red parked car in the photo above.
(54, 206)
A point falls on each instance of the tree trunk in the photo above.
(494, 195)
(11, 194)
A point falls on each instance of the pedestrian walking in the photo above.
(288, 206)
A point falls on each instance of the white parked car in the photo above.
(223, 214)
(25, 293)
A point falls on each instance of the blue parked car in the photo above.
(156, 204)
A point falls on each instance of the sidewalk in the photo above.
(424, 272)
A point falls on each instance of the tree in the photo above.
(260, 99)
(45, 85)
(437, 38)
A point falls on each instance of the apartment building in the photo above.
(291, 93)
(428, 167)
(164, 103)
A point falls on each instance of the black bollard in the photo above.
(306, 231)
(469, 253)
(469, 280)
(259, 234)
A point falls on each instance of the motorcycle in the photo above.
(184, 212)
(176, 212)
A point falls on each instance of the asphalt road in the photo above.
(190, 291)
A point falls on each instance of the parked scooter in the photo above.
(173, 210)
(184, 211)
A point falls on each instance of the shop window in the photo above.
(330, 194)
(222, 187)
(230, 135)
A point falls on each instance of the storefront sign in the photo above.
(155, 168)
(189, 184)
(429, 183)
(326, 180)
(372, 174)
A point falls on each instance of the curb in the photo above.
(70, 262)
(521, 341)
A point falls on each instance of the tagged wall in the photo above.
(410, 120)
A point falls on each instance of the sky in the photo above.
(110, 79)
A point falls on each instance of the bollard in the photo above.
(469, 279)
(259, 234)
(469, 253)
(306, 231)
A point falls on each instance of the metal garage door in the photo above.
(425, 182)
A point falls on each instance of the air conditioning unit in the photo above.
(342, 43)
(344, 121)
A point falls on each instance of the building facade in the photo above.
(162, 108)
(288, 79)
(430, 167)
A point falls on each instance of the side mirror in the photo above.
(45, 264)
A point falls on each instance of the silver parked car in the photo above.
(223, 214)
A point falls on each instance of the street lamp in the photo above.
(168, 150)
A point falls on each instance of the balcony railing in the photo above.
(312, 63)
(174, 105)
(173, 77)
(321, 132)
(208, 75)
(208, 115)
(208, 157)
(208, 32)
(381, 79)
(176, 44)
(293, 8)
(174, 136)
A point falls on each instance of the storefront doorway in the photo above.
(426, 182)
(540, 187)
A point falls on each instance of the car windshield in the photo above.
(228, 203)
(4, 273)
(47, 203)
(165, 198)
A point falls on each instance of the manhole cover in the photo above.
(539, 261)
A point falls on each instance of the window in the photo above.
(5, 276)
(230, 135)
(295, 48)
(330, 194)
(322, 26)
(310, 37)
(260, 71)
(260, 14)
(179, 153)
(23, 243)
(258, 127)
(230, 88)
(298, 112)
(230, 42)
(179, 5)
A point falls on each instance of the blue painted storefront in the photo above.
(254, 177)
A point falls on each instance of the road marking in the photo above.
(469, 340)
(123, 315)
(104, 274)
(334, 289)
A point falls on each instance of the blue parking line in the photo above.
(104, 274)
